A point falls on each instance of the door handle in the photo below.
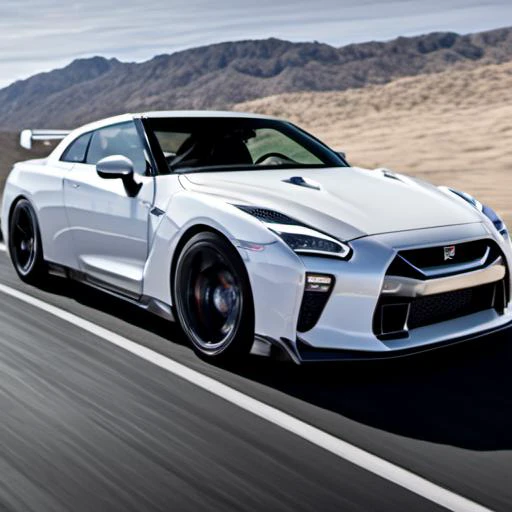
(156, 212)
(75, 185)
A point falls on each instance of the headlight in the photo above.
(496, 220)
(300, 238)
(482, 208)
(305, 241)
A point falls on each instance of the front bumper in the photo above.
(346, 330)
(302, 353)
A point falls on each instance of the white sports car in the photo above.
(255, 235)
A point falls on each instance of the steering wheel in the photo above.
(280, 156)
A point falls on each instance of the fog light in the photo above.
(319, 283)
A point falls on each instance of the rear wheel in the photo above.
(213, 297)
(25, 245)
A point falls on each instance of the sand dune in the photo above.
(452, 128)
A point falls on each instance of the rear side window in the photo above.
(75, 152)
(120, 139)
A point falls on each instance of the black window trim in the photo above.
(152, 164)
(160, 166)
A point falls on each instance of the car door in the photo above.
(109, 228)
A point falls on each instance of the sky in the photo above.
(41, 35)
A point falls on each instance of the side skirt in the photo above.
(145, 302)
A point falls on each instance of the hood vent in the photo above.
(270, 216)
(303, 182)
(389, 174)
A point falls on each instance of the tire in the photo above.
(213, 298)
(25, 246)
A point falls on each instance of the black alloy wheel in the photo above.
(213, 297)
(25, 246)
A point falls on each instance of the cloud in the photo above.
(39, 35)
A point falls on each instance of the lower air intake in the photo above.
(395, 317)
(444, 306)
(313, 304)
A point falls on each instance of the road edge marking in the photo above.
(343, 449)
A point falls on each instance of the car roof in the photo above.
(158, 114)
(162, 114)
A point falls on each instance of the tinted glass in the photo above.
(75, 152)
(190, 144)
(120, 139)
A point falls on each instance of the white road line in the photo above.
(332, 444)
(2, 247)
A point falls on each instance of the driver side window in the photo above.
(120, 139)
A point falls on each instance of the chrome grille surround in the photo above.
(419, 294)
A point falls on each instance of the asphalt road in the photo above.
(88, 426)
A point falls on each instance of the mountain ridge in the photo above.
(220, 75)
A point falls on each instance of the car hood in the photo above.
(347, 202)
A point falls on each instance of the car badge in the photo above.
(449, 252)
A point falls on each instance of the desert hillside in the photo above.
(218, 75)
(452, 128)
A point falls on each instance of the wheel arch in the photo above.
(13, 204)
(188, 214)
(266, 269)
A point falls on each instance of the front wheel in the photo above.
(213, 297)
(25, 246)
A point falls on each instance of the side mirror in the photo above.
(119, 167)
(113, 167)
(342, 154)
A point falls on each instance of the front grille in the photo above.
(431, 262)
(435, 256)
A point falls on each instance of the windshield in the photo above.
(206, 144)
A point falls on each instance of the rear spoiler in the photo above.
(27, 136)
